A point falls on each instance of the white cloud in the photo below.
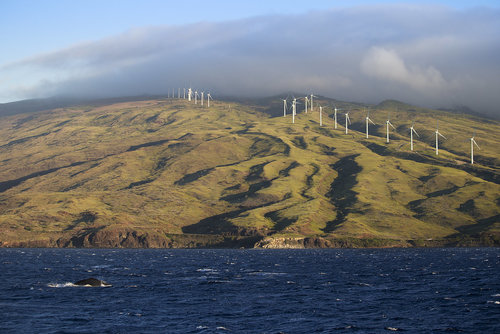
(387, 65)
(430, 56)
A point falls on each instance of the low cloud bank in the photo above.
(425, 55)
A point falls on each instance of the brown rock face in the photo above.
(110, 238)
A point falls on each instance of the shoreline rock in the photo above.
(128, 238)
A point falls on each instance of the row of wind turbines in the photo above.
(367, 120)
(191, 96)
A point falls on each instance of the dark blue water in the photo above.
(251, 291)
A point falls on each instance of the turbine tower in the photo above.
(472, 143)
(178, 93)
(284, 107)
(196, 97)
(208, 100)
(387, 123)
(190, 93)
(437, 137)
(412, 130)
(320, 115)
(306, 100)
(184, 94)
(202, 98)
(347, 120)
(294, 109)
(367, 121)
(335, 116)
(312, 104)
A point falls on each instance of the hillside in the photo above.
(169, 173)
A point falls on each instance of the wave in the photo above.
(70, 285)
(61, 285)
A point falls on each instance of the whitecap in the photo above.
(221, 328)
(496, 295)
(496, 302)
(206, 270)
(61, 285)
(394, 329)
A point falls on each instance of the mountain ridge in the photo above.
(169, 173)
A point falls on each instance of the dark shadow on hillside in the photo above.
(299, 142)
(280, 223)
(6, 185)
(491, 175)
(341, 193)
(481, 225)
(188, 178)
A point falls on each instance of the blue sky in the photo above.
(64, 47)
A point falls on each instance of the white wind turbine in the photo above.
(437, 137)
(196, 97)
(209, 97)
(190, 93)
(202, 98)
(347, 119)
(184, 94)
(294, 109)
(306, 100)
(320, 115)
(173, 93)
(472, 143)
(335, 116)
(387, 123)
(412, 130)
(284, 107)
(312, 104)
(368, 119)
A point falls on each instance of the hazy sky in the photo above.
(429, 53)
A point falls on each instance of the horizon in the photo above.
(365, 51)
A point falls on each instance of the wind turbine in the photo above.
(437, 137)
(335, 116)
(412, 130)
(306, 100)
(184, 93)
(472, 143)
(368, 120)
(284, 107)
(208, 99)
(387, 123)
(312, 104)
(294, 108)
(202, 98)
(190, 93)
(320, 115)
(196, 97)
(347, 120)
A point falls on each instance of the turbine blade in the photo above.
(392, 125)
(415, 132)
(475, 143)
(371, 121)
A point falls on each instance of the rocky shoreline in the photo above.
(127, 238)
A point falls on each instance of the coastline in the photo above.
(150, 240)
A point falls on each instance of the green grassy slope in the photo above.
(171, 169)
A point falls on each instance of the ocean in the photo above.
(251, 291)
